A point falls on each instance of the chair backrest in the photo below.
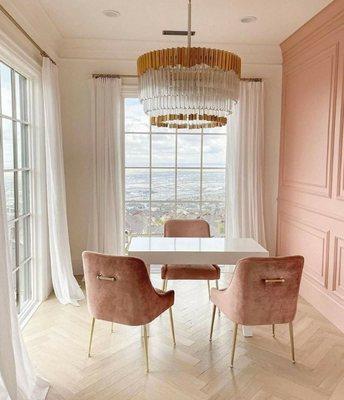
(265, 291)
(186, 228)
(118, 289)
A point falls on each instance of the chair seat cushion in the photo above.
(190, 271)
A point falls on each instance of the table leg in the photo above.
(247, 331)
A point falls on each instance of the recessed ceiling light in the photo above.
(248, 19)
(111, 13)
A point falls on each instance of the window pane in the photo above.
(135, 118)
(20, 93)
(161, 212)
(23, 286)
(23, 192)
(136, 184)
(7, 133)
(6, 90)
(214, 213)
(15, 282)
(137, 218)
(163, 150)
(213, 185)
(214, 151)
(188, 210)
(189, 150)
(136, 150)
(9, 192)
(221, 129)
(12, 243)
(188, 184)
(161, 129)
(24, 245)
(22, 146)
(163, 184)
(189, 131)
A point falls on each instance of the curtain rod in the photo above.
(95, 76)
(23, 31)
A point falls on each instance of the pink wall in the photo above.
(311, 182)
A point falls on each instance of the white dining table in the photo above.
(214, 250)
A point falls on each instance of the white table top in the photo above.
(156, 250)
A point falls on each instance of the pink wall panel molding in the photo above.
(311, 184)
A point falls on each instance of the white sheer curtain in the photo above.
(65, 285)
(106, 229)
(18, 380)
(244, 175)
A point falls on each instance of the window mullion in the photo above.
(201, 174)
(150, 180)
(175, 172)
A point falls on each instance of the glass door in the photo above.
(14, 133)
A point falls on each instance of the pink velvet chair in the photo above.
(188, 228)
(119, 290)
(263, 291)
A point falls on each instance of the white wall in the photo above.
(75, 95)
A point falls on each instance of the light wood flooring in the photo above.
(57, 339)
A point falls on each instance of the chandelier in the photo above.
(188, 87)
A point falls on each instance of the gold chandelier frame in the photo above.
(189, 57)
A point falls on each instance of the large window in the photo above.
(171, 174)
(14, 130)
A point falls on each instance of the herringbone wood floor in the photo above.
(57, 338)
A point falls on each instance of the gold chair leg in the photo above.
(217, 287)
(172, 326)
(112, 330)
(91, 337)
(164, 286)
(235, 331)
(273, 330)
(291, 334)
(208, 289)
(145, 337)
(212, 323)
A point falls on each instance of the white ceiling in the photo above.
(215, 21)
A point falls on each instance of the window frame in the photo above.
(133, 94)
(13, 55)
(20, 218)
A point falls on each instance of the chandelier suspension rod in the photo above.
(189, 24)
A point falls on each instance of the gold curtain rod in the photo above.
(23, 31)
(95, 76)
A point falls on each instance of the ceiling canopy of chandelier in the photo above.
(188, 87)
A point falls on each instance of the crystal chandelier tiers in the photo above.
(188, 87)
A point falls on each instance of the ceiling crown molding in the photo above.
(103, 49)
(327, 20)
(32, 17)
